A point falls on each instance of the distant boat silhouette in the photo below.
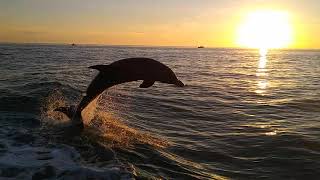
(73, 44)
(200, 46)
(4, 54)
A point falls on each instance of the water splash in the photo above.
(110, 131)
(102, 123)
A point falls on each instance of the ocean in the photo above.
(241, 115)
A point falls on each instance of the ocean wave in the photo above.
(221, 125)
(18, 103)
(55, 162)
(310, 105)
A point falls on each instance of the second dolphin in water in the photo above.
(125, 70)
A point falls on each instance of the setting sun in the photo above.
(265, 29)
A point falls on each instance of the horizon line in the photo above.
(141, 45)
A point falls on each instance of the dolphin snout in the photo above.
(179, 83)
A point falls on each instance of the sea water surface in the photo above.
(241, 115)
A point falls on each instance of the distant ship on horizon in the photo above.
(200, 46)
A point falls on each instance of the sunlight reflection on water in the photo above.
(262, 83)
(241, 116)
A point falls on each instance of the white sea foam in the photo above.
(60, 162)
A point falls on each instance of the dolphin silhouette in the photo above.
(127, 70)
(122, 71)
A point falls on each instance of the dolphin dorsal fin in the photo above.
(146, 83)
(100, 67)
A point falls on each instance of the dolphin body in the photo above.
(122, 71)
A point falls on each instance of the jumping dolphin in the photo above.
(122, 71)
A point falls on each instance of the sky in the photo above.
(210, 23)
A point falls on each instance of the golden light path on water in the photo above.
(262, 83)
(261, 89)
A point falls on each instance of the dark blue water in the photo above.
(241, 115)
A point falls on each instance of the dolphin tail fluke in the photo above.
(68, 111)
(146, 83)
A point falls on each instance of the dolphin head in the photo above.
(174, 81)
(171, 78)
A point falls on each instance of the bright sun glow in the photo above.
(265, 29)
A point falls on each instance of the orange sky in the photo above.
(157, 23)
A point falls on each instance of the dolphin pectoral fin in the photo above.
(146, 83)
